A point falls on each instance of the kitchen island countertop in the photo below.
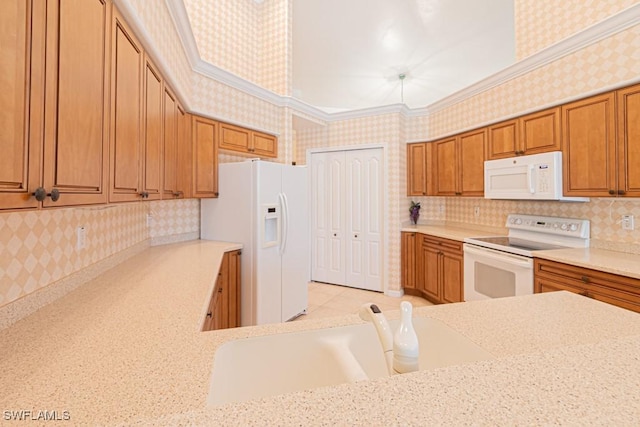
(126, 349)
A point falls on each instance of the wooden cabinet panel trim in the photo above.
(22, 56)
(628, 117)
(540, 131)
(205, 157)
(503, 139)
(126, 113)
(264, 145)
(152, 157)
(170, 145)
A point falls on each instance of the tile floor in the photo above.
(327, 300)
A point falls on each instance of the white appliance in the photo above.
(264, 206)
(533, 177)
(502, 266)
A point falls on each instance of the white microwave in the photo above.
(534, 177)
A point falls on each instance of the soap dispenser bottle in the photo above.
(405, 343)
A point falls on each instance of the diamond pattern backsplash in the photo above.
(38, 248)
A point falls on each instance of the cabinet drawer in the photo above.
(611, 288)
(442, 244)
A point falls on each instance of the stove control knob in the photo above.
(512, 220)
(573, 227)
(555, 225)
(518, 221)
(563, 226)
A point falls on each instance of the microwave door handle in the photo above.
(530, 170)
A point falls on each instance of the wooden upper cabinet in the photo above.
(76, 142)
(236, 138)
(459, 165)
(418, 168)
(264, 145)
(589, 155)
(126, 132)
(205, 157)
(152, 158)
(531, 134)
(170, 157)
(503, 140)
(445, 159)
(629, 141)
(540, 132)
(184, 148)
(471, 163)
(22, 42)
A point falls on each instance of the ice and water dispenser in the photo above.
(270, 220)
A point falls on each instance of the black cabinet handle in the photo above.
(612, 192)
(144, 194)
(585, 279)
(622, 192)
(41, 194)
(209, 314)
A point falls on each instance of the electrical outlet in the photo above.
(476, 211)
(149, 220)
(627, 222)
(81, 238)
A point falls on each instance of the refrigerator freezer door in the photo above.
(296, 254)
(268, 276)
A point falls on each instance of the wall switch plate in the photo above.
(628, 222)
(81, 238)
(476, 211)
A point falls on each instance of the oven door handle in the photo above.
(512, 259)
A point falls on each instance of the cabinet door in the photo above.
(76, 135)
(445, 167)
(264, 145)
(22, 35)
(126, 133)
(503, 140)
(235, 138)
(417, 167)
(589, 156)
(629, 141)
(408, 260)
(452, 277)
(185, 153)
(430, 272)
(233, 286)
(471, 166)
(540, 132)
(170, 144)
(205, 157)
(152, 148)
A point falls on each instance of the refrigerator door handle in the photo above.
(285, 221)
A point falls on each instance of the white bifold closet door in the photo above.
(347, 213)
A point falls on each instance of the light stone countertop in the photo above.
(598, 259)
(626, 264)
(126, 349)
(454, 231)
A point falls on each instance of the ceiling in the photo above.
(349, 54)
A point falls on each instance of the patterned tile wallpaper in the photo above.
(38, 248)
(610, 61)
(541, 23)
(249, 39)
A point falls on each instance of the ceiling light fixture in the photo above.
(402, 77)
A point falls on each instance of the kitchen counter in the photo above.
(598, 259)
(126, 349)
(455, 231)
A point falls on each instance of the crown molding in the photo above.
(614, 24)
(599, 31)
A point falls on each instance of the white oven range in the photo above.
(502, 266)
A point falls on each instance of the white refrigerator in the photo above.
(264, 206)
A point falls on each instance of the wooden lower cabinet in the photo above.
(224, 306)
(408, 260)
(622, 291)
(438, 268)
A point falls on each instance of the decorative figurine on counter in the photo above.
(414, 212)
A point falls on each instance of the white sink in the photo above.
(257, 367)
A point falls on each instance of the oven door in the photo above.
(494, 274)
